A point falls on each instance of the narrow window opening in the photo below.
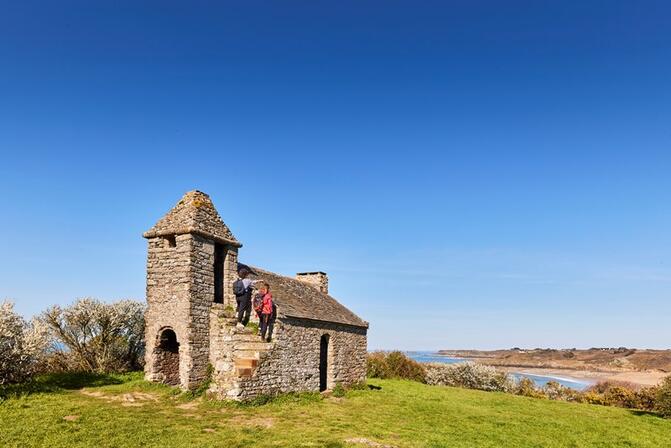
(219, 257)
(170, 241)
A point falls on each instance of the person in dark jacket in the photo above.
(242, 288)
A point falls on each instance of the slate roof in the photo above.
(295, 298)
(194, 213)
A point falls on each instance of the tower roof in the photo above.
(194, 213)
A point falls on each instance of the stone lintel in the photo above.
(183, 231)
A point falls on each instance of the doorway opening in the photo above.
(324, 366)
(166, 357)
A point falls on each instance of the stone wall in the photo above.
(201, 299)
(180, 294)
(167, 299)
(293, 363)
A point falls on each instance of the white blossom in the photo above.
(22, 344)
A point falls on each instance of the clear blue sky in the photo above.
(469, 173)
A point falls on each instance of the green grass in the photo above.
(402, 413)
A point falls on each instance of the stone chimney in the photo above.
(317, 279)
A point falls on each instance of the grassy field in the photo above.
(125, 411)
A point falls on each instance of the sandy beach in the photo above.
(641, 378)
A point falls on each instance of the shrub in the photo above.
(395, 365)
(92, 336)
(592, 397)
(470, 376)
(646, 398)
(22, 345)
(527, 388)
(555, 391)
(375, 365)
(603, 386)
(663, 399)
(620, 396)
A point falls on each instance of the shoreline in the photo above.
(639, 378)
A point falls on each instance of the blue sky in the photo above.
(470, 174)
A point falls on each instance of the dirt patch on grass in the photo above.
(191, 405)
(258, 422)
(192, 415)
(132, 399)
(71, 418)
(367, 442)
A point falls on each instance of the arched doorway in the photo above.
(166, 357)
(324, 363)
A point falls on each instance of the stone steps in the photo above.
(257, 345)
(245, 372)
(245, 363)
(247, 351)
(256, 354)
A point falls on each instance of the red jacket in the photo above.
(267, 305)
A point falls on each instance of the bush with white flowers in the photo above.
(469, 375)
(94, 336)
(22, 345)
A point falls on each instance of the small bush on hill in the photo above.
(646, 398)
(527, 388)
(22, 345)
(603, 386)
(621, 394)
(394, 365)
(470, 376)
(93, 336)
(592, 397)
(622, 397)
(555, 391)
(663, 399)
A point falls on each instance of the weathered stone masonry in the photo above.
(191, 266)
(291, 364)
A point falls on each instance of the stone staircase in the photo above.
(248, 350)
(242, 351)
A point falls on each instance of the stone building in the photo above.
(190, 326)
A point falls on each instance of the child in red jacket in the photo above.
(266, 310)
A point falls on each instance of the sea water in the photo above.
(539, 380)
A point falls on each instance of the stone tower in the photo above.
(191, 265)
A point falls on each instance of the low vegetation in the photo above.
(476, 376)
(22, 345)
(122, 410)
(663, 398)
(94, 336)
(470, 376)
(395, 365)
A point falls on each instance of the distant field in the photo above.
(134, 413)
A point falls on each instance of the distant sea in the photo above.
(540, 380)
